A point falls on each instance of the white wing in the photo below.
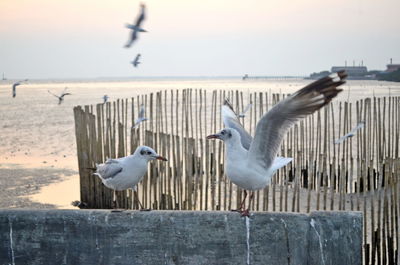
(274, 125)
(243, 114)
(109, 169)
(231, 121)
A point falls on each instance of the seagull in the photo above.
(353, 132)
(126, 172)
(105, 99)
(140, 118)
(61, 97)
(136, 27)
(136, 62)
(243, 114)
(14, 87)
(251, 163)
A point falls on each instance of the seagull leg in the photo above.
(247, 211)
(115, 204)
(140, 204)
(240, 210)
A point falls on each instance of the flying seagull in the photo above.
(105, 99)
(136, 62)
(243, 114)
(14, 87)
(61, 97)
(126, 172)
(136, 27)
(251, 163)
(353, 132)
(140, 118)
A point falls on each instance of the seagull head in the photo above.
(224, 135)
(148, 153)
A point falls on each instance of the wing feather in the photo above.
(273, 126)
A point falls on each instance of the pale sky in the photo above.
(85, 38)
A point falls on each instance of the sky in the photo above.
(85, 38)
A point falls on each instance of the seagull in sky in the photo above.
(136, 62)
(105, 99)
(126, 172)
(353, 132)
(140, 118)
(136, 27)
(251, 163)
(60, 97)
(14, 87)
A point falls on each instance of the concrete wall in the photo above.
(178, 237)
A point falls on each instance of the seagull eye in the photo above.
(148, 152)
(223, 132)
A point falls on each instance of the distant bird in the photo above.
(136, 27)
(61, 97)
(14, 87)
(140, 118)
(243, 114)
(251, 163)
(353, 132)
(136, 62)
(105, 99)
(126, 172)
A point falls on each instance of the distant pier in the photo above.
(283, 77)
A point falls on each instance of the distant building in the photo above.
(351, 70)
(392, 68)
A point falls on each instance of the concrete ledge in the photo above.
(178, 237)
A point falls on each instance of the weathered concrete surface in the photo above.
(178, 237)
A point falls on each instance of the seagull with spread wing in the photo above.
(60, 97)
(14, 87)
(353, 132)
(136, 62)
(243, 114)
(251, 163)
(141, 118)
(136, 27)
(126, 172)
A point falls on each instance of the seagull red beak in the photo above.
(161, 158)
(213, 136)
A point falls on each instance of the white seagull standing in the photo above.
(140, 118)
(136, 27)
(353, 132)
(14, 87)
(126, 172)
(136, 62)
(60, 97)
(251, 163)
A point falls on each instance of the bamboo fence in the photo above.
(361, 174)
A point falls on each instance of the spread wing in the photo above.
(132, 39)
(109, 169)
(243, 114)
(141, 16)
(231, 121)
(53, 94)
(273, 126)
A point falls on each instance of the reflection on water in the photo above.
(59, 194)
